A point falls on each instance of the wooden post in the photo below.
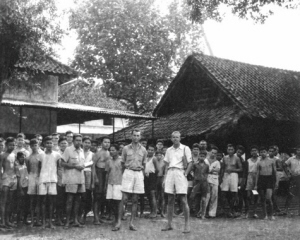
(79, 128)
(113, 122)
(50, 121)
(152, 129)
(20, 119)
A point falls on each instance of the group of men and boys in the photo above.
(72, 175)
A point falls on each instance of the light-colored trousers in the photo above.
(212, 199)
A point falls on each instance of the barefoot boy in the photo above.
(33, 164)
(114, 184)
(9, 181)
(251, 180)
(159, 183)
(22, 177)
(100, 158)
(200, 188)
(266, 179)
(48, 179)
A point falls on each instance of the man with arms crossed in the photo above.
(175, 181)
(133, 162)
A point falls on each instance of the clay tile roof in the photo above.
(47, 65)
(262, 91)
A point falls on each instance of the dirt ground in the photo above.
(220, 228)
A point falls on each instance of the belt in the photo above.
(135, 170)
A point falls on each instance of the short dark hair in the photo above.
(215, 148)
(272, 147)
(48, 138)
(20, 154)
(135, 130)
(21, 135)
(116, 146)
(1, 139)
(95, 141)
(196, 145)
(158, 152)
(230, 146)
(87, 138)
(55, 134)
(262, 148)
(143, 139)
(220, 152)
(159, 141)
(37, 135)
(9, 140)
(240, 147)
(151, 145)
(62, 138)
(203, 153)
(34, 141)
(77, 135)
(254, 147)
(105, 137)
(68, 132)
(122, 143)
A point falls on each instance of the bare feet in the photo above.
(162, 215)
(167, 228)
(51, 226)
(272, 218)
(132, 228)
(186, 230)
(38, 224)
(97, 222)
(152, 215)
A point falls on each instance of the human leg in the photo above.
(170, 212)
(69, 205)
(186, 212)
(134, 200)
(269, 201)
(213, 205)
(97, 198)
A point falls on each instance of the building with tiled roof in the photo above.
(226, 101)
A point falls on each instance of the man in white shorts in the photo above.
(229, 187)
(175, 181)
(133, 161)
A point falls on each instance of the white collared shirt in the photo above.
(174, 156)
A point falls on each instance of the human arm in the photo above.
(238, 169)
(257, 177)
(190, 166)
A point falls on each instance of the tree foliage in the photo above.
(27, 31)
(201, 10)
(130, 46)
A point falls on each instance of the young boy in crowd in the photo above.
(94, 146)
(213, 183)
(55, 140)
(242, 194)
(231, 166)
(150, 180)
(9, 181)
(69, 135)
(33, 164)
(159, 183)
(199, 191)
(48, 179)
(27, 145)
(265, 183)
(88, 162)
(20, 142)
(98, 172)
(22, 178)
(61, 193)
(113, 184)
(252, 170)
(2, 145)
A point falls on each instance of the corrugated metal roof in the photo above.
(76, 108)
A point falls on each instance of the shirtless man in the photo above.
(9, 181)
(99, 175)
(229, 187)
(160, 178)
(266, 180)
(33, 164)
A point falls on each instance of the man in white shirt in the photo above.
(177, 159)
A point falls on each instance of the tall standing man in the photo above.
(175, 182)
(133, 162)
(73, 178)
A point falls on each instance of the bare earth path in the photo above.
(220, 228)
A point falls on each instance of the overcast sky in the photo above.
(276, 43)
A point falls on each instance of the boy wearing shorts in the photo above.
(48, 179)
(114, 184)
(159, 183)
(266, 180)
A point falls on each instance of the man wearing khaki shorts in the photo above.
(133, 162)
(175, 181)
(73, 177)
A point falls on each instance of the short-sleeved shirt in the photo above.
(214, 178)
(174, 156)
(134, 159)
(48, 172)
(88, 158)
(22, 173)
(114, 169)
(73, 176)
(200, 171)
(294, 165)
